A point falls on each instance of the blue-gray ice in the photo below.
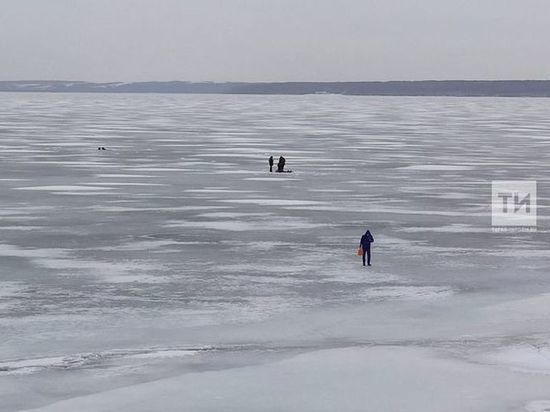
(172, 271)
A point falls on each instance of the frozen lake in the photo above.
(172, 271)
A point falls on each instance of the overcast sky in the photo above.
(274, 40)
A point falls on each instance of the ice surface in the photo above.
(527, 358)
(62, 188)
(270, 179)
(31, 366)
(348, 379)
(538, 406)
(271, 202)
(437, 167)
(242, 225)
(117, 265)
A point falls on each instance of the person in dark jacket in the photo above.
(271, 163)
(281, 164)
(366, 240)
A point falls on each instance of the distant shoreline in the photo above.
(456, 88)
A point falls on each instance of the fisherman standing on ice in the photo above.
(366, 240)
(271, 163)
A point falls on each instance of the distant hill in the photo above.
(510, 88)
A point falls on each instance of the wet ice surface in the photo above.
(118, 265)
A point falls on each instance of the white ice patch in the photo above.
(348, 275)
(272, 202)
(121, 175)
(538, 406)
(454, 228)
(381, 210)
(242, 226)
(16, 251)
(271, 179)
(79, 164)
(63, 144)
(239, 171)
(84, 193)
(21, 228)
(408, 292)
(61, 259)
(221, 191)
(330, 190)
(157, 209)
(523, 358)
(143, 245)
(117, 209)
(63, 188)
(167, 353)
(437, 167)
(157, 169)
(534, 308)
(29, 366)
(231, 215)
(128, 184)
(519, 253)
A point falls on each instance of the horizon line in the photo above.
(273, 81)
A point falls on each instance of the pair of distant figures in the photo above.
(101, 148)
(280, 165)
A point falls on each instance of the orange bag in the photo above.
(360, 251)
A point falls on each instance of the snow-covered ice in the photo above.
(174, 272)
